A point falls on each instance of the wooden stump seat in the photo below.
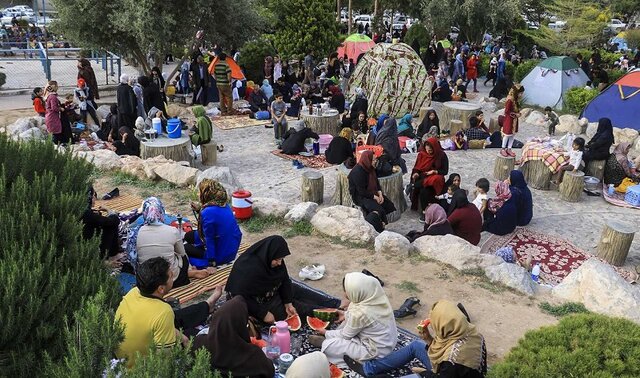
(177, 149)
(457, 110)
(595, 168)
(572, 186)
(503, 167)
(342, 196)
(209, 153)
(312, 187)
(536, 174)
(615, 242)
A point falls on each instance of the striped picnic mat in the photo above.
(201, 286)
(121, 204)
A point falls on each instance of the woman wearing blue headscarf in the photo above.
(405, 128)
(373, 133)
(267, 89)
(524, 201)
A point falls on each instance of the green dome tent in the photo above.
(550, 79)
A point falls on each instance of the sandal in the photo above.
(112, 194)
(407, 308)
(220, 148)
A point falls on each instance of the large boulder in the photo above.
(536, 118)
(568, 124)
(345, 223)
(455, 251)
(624, 135)
(177, 174)
(524, 113)
(592, 127)
(393, 244)
(513, 276)
(33, 133)
(106, 160)
(601, 289)
(134, 166)
(224, 176)
(264, 207)
(302, 211)
(489, 107)
(150, 165)
(21, 125)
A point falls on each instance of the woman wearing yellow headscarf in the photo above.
(369, 328)
(340, 148)
(455, 350)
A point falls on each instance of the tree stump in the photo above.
(536, 174)
(342, 196)
(327, 123)
(455, 125)
(572, 186)
(457, 110)
(503, 166)
(177, 149)
(209, 153)
(615, 242)
(493, 125)
(595, 168)
(391, 187)
(312, 187)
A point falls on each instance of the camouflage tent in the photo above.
(394, 80)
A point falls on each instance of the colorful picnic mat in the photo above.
(237, 122)
(536, 150)
(557, 257)
(317, 161)
(202, 285)
(121, 204)
(616, 198)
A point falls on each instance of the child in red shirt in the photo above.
(38, 101)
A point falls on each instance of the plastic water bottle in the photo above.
(611, 190)
(535, 272)
(273, 347)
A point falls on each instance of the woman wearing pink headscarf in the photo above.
(501, 215)
(435, 223)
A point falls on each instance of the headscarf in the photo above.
(405, 123)
(604, 131)
(380, 123)
(140, 124)
(427, 123)
(366, 162)
(203, 123)
(124, 79)
(435, 215)
(346, 133)
(503, 194)
(456, 340)
(525, 199)
(621, 152)
(252, 274)
(229, 343)
(360, 93)
(369, 303)
(312, 365)
(267, 89)
(458, 200)
(152, 214)
(211, 192)
(334, 90)
(388, 139)
(81, 83)
(426, 162)
(450, 179)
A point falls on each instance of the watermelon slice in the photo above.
(423, 325)
(316, 324)
(294, 323)
(258, 343)
(326, 314)
(336, 372)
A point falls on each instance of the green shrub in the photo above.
(585, 345)
(417, 32)
(3, 78)
(563, 309)
(252, 57)
(47, 268)
(614, 75)
(633, 38)
(575, 99)
(485, 61)
(524, 68)
(609, 58)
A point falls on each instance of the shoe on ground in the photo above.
(309, 273)
(421, 219)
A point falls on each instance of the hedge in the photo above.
(585, 345)
(252, 57)
(524, 68)
(575, 99)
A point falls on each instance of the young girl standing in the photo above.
(52, 116)
(510, 123)
(38, 102)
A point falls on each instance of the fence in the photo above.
(27, 66)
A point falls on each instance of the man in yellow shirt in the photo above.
(149, 320)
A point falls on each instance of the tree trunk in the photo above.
(571, 186)
(615, 242)
(375, 8)
(175, 149)
(391, 187)
(170, 76)
(350, 20)
(595, 168)
(342, 196)
(339, 11)
(536, 174)
(312, 187)
(142, 60)
(322, 124)
(457, 110)
(503, 167)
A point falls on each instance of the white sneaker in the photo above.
(311, 273)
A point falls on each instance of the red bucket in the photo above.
(242, 204)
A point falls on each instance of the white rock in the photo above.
(513, 276)
(568, 123)
(224, 176)
(591, 130)
(103, 159)
(19, 126)
(492, 99)
(457, 252)
(345, 223)
(489, 107)
(264, 207)
(177, 174)
(624, 135)
(134, 166)
(535, 118)
(150, 165)
(33, 133)
(524, 113)
(602, 290)
(302, 211)
(393, 244)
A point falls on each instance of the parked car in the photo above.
(616, 25)
(363, 19)
(454, 32)
(557, 26)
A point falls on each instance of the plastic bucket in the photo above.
(174, 129)
(157, 125)
(242, 204)
(324, 140)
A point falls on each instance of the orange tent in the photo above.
(236, 72)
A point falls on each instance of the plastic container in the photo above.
(611, 189)
(632, 196)
(324, 140)
(282, 335)
(535, 273)
(241, 204)
(157, 125)
(174, 128)
(591, 183)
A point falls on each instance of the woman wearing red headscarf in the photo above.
(84, 99)
(366, 193)
(428, 174)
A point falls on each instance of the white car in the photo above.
(363, 19)
(616, 25)
(557, 26)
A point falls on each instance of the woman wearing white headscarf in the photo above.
(369, 328)
(127, 103)
(312, 365)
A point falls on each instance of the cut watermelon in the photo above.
(326, 314)
(423, 325)
(294, 323)
(336, 372)
(316, 324)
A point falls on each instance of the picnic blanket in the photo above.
(553, 159)
(557, 257)
(202, 285)
(122, 204)
(237, 122)
(317, 161)
(616, 198)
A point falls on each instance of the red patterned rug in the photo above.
(557, 257)
(317, 161)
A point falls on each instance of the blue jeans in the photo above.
(401, 357)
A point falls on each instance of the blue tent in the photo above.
(620, 102)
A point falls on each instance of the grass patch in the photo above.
(475, 272)
(409, 287)
(260, 224)
(491, 286)
(563, 309)
(121, 178)
(300, 228)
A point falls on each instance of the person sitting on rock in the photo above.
(465, 218)
(293, 142)
(366, 192)
(435, 223)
